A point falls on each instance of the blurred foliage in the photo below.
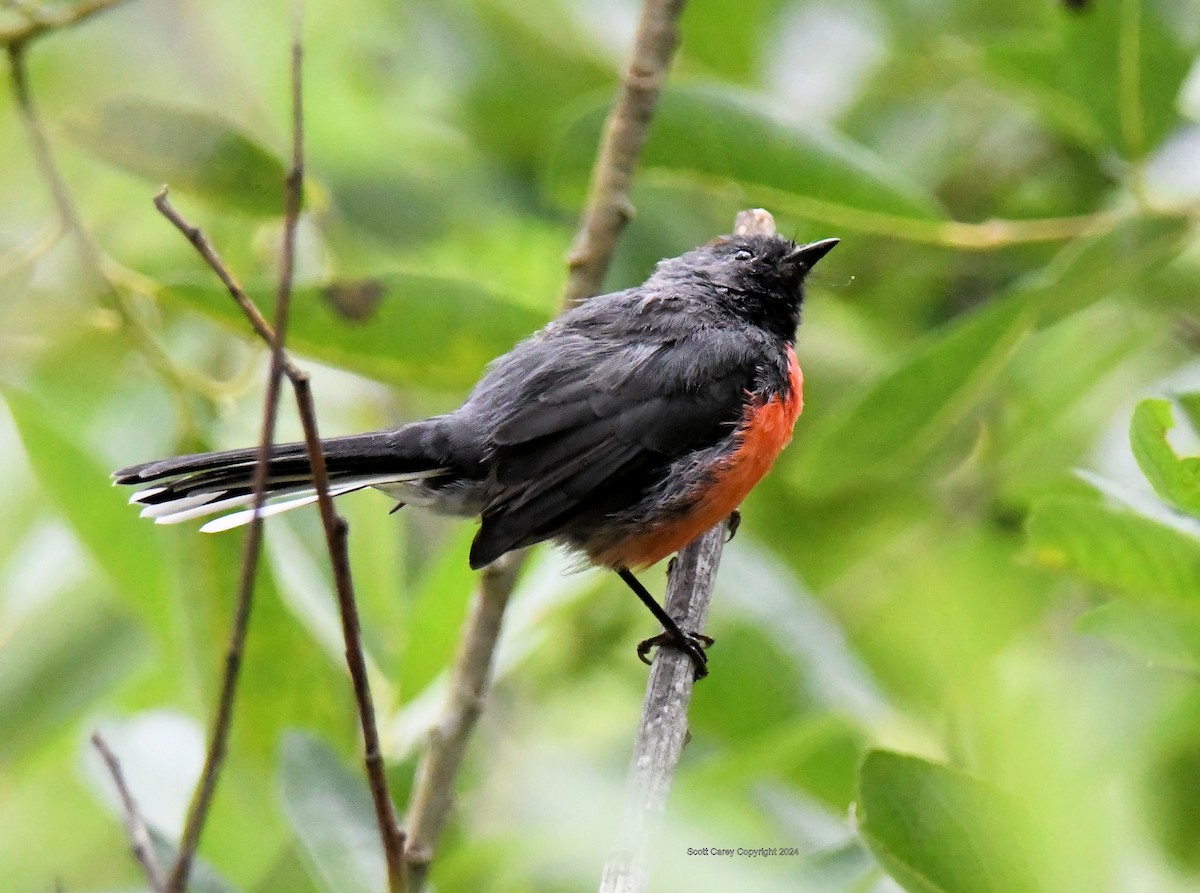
(959, 632)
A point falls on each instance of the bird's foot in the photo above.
(692, 644)
(735, 521)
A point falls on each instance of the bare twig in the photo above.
(336, 532)
(609, 207)
(39, 20)
(335, 527)
(218, 738)
(206, 250)
(662, 730)
(433, 792)
(139, 836)
(607, 211)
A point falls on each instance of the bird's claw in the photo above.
(692, 644)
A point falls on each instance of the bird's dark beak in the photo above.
(812, 252)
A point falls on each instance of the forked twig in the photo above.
(335, 527)
(218, 738)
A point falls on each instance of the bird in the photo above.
(622, 430)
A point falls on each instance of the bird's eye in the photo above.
(743, 254)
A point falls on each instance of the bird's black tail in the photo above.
(187, 487)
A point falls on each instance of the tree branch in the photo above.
(662, 730)
(335, 527)
(206, 250)
(628, 124)
(218, 738)
(607, 211)
(433, 792)
(336, 533)
(135, 827)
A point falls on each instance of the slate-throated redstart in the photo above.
(624, 429)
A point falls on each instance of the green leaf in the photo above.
(1073, 73)
(527, 63)
(1175, 479)
(896, 420)
(58, 662)
(1162, 636)
(848, 868)
(438, 333)
(132, 552)
(729, 39)
(903, 414)
(306, 592)
(330, 810)
(937, 830)
(1172, 789)
(719, 133)
(434, 623)
(190, 151)
(1190, 404)
(1116, 548)
(1087, 271)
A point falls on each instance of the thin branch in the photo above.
(218, 738)
(135, 826)
(206, 250)
(608, 210)
(663, 728)
(336, 529)
(433, 791)
(39, 20)
(609, 207)
(336, 532)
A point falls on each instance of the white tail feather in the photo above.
(198, 505)
(178, 506)
(188, 508)
(237, 519)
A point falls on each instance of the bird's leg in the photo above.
(735, 521)
(690, 643)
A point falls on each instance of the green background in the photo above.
(959, 631)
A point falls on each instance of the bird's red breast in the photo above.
(765, 429)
